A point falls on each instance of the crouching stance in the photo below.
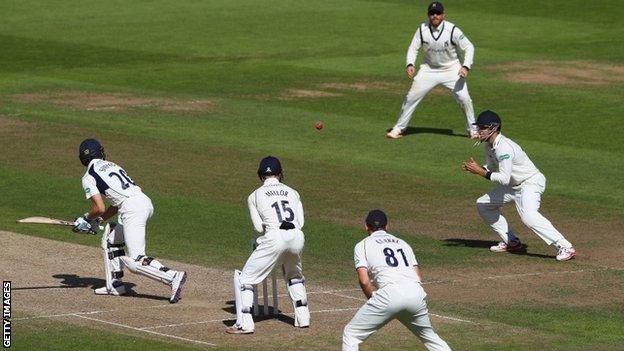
(390, 264)
(519, 182)
(105, 178)
(277, 213)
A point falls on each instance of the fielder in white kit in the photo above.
(439, 40)
(389, 277)
(520, 181)
(277, 213)
(106, 179)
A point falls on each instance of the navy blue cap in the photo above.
(269, 166)
(487, 118)
(376, 219)
(436, 7)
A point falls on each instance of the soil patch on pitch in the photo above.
(95, 101)
(547, 72)
(7, 122)
(296, 94)
(59, 288)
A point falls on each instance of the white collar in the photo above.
(271, 180)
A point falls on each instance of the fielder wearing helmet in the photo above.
(519, 181)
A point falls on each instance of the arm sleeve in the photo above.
(503, 175)
(89, 186)
(299, 212)
(253, 212)
(465, 45)
(412, 51)
(359, 256)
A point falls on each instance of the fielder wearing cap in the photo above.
(390, 279)
(439, 41)
(277, 214)
(519, 182)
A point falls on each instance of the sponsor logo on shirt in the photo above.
(503, 157)
(87, 190)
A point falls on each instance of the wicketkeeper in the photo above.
(277, 213)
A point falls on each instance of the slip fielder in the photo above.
(439, 40)
(390, 278)
(105, 179)
(277, 213)
(519, 181)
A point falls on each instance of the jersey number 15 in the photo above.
(290, 215)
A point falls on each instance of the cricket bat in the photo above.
(45, 220)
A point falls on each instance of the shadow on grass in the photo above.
(426, 130)
(485, 244)
(262, 317)
(71, 281)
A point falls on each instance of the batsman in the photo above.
(277, 213)
(105, 179)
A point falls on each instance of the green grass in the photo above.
(58, 336)
(198, 167)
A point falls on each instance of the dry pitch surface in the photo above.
(53, 280)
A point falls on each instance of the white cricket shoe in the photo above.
(395, 133)
(179, 279)
(118, 289)
(566, 254)
(514, 245)
(235, 329)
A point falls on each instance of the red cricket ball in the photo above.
(319, 125)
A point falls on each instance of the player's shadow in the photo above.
(71, 281)
(483, 244)
(231, 308)
(426, 130)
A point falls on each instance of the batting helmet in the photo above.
(269, 166)
(90, 149)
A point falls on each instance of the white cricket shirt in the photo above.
(508, 163)
(439, 46)
(273, 203)
(110, 180)
(388, 259)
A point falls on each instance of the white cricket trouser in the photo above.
(527, 197)
(273, 245)
(425, 80)
(405, 302)
(133, 215)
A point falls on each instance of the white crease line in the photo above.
(452, 318)
(91, 312)
(230, 318)
(147, 331)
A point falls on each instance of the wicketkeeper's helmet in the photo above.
(90, 149)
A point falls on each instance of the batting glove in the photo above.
(83, 225)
